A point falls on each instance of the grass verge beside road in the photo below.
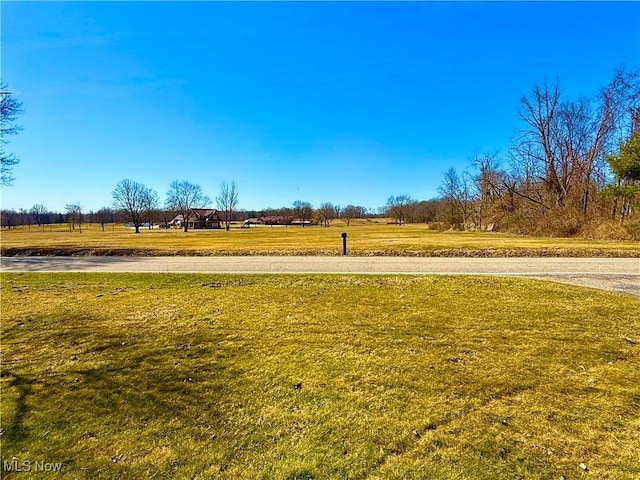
(364, 238)
(318, 376)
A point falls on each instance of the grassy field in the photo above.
(312, 376)
(374, 237)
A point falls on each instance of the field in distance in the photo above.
(372, 237)
(318, 376)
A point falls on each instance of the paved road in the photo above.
(615, 274)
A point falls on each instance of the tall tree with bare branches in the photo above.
(227, 201)
(39, 213)
(182, 197)
(565, 143)
(325, 213)
(135, 200)
(75, 215)
(303, 211)
(397, 207)
(10, 108)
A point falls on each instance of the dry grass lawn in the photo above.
(364, 238)
(318, 376)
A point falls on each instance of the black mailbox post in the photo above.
(344, 243)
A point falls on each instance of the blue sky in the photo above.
(347, 102)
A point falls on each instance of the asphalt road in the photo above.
(615, 274)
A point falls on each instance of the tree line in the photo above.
(148, 213)
(573, 169)
(138, 205)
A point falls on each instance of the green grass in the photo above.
(364, 238)
(318, 376)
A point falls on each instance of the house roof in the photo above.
(204, 214)
(273, 218)
(199, 214)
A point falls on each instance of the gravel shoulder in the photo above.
(620, 275)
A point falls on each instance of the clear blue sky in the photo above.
(340, 102)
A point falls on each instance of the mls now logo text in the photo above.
(16, 465)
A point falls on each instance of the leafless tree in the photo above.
(397, 207)
(455, 190)
(183, 196)
(227, 201)
(10, 108)
(426, 211)
(489, 189)
(39, 213)
(325, 214)
(9, 218)
(105, 215)
(283, 216)
(151, 206)
(303, 211)
(564, 143)
(25, 217)
(348, 213)
(135, 201)
(74, 215)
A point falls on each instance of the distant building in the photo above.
(252, 221)
(275, 220)
(199, 218)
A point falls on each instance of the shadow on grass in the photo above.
(100, 391)
(14, 429)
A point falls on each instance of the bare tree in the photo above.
(455, 190)
(183, 196)
(74, 215)
(9, 218)
(104, 215)
(426, 211)
(25, 217)
(303, 211)
(227, 201)
(348, 213)
(351, 211)
(564, 143)
(10, 108)
(398, 207)
(135, 201)
(488, 190)
(536, 156)
(325, 213)
(39, 213)
(151, 206)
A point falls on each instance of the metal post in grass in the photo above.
(344, 243)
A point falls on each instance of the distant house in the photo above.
(176, 222)
(252, 221)
(299, 221)
(199, 218)
(204, 218)
(275, 220)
